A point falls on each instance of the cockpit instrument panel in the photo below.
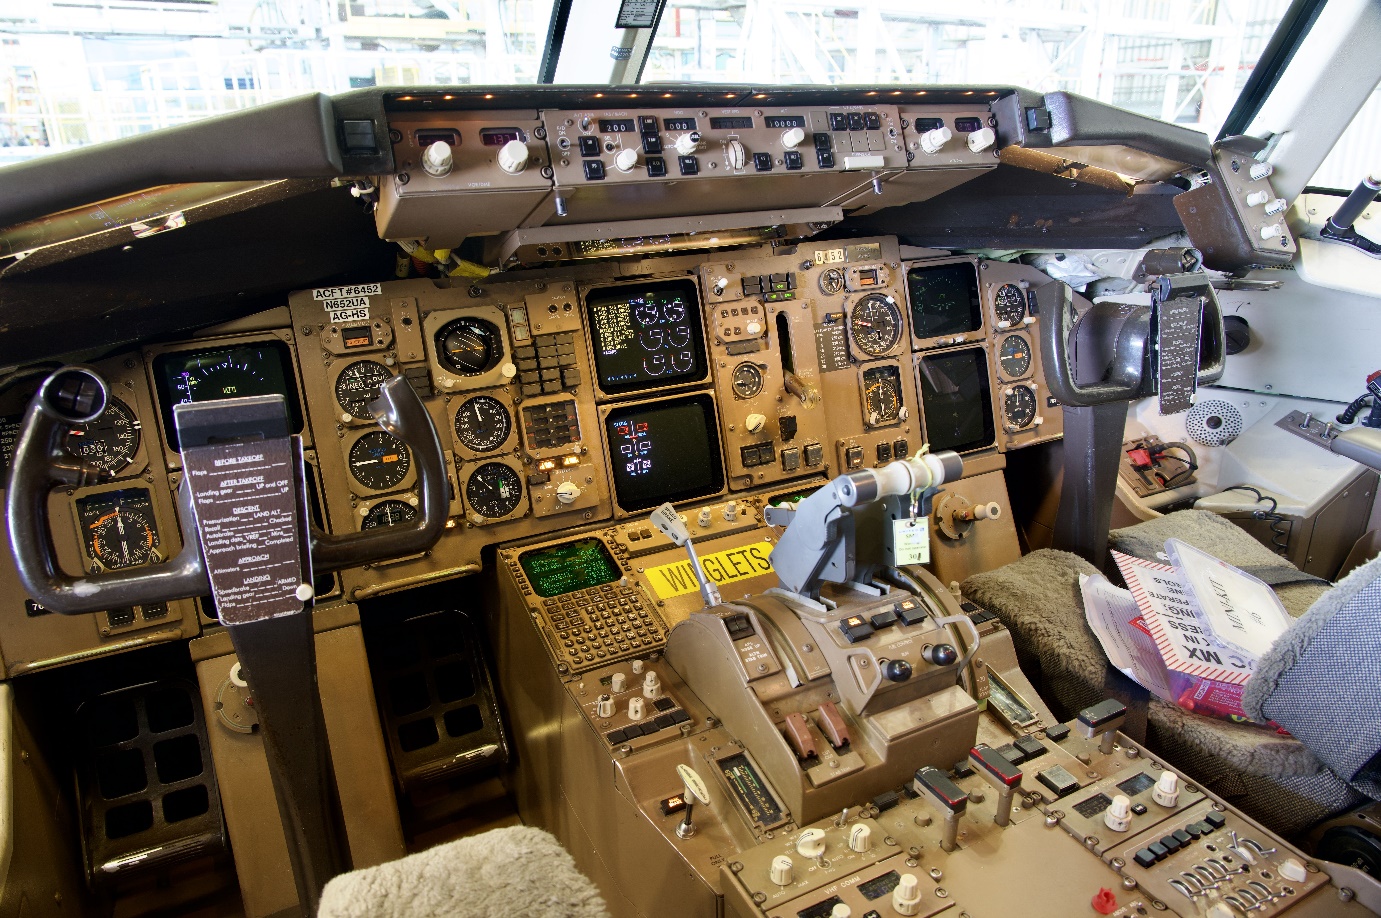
(646, 336)
(235, 371)
(666, 450)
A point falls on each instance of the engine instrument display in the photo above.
(493, 490)
(647, 336)
(118, 528)
(110, 441)
(469, 345)
(389, 513)
(875, 323)
(944, 299)
(261, 368)
(1018, 407)
(957, 399)
(1009, 305)
(568, 567)
(358, 385)
(483, 423)
(1014, 356)
(882, 400)
(664, 451)
(379, 460)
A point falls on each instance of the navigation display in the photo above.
(569, 567)
(957, 399)
(664, 451)
(944, 300)
(260, 368)
(646, 336)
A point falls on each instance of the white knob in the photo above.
(687, 144)
(792, 138)
(1029, 320)
(1003, 323)
(652, 686)
(567, 492)
(513, 157)
(981, 139)
(635, 708)
(783, 870)
(988, 511)
(755, 422)
(604, 706)
(737, 155)
(436, 159)
(1270, 231)
(1037, 421)
(811, 843)
(1257, 198)
(730, 512)
(1167, 792)
(508, 371)
(626, 160)
(618, 682)
(638, 667)
(1276, 207)
(236, 679)
(1119, 815)
(860, 838)
(1260, 171)
(346, 417)
(903, 413)
(841, 911)
(934, 140)
(1291, 869)
(906, 895)
(753, 328)
(704, 518)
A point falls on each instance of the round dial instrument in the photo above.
(469, 346)
(379, 460)
(876, 324)
(109, 442)
(1018, 407)
(483, 423)
(832, 282)
(1009, 305)
(119, 528)
(358, 385)
(747, 380)
(493, 490)
(882, 399)
(1014, 356)
(389, 513)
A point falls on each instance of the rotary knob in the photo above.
(652, 686)
(933, 141)
(1167, 792)
(1276, 206)
(687, 144)
(513, 157)
(1119, 814)
(981, 139)
(635, 708)
(604, 706)
(1257, 198)
(755, 423)
(618, 682)
(567, 492)
(437, 159)
(811, 843)
(1260, 171)
(1270, 231)
(860, 838)
(626, 160)
(793, 137)
(906, 895)
(737, 154)
(783, 870)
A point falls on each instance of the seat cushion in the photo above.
(513, 871)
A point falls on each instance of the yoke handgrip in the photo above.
(1060, 351)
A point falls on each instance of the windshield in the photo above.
(138, 65)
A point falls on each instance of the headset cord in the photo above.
(1280, 532)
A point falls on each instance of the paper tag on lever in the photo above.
(911, 540)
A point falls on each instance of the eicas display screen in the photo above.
(260, 368)
(957, 399)
(944, 300)
(646, 336)
(664, 451)
(568, 567)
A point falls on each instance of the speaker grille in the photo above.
(1213, 423)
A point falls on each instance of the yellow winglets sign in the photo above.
(728, 566)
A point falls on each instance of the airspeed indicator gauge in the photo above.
(1014, 356)
(875, 323)
(1018, 407)
(379, 460)
(109, 442)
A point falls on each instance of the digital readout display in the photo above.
(678, 124)
(785, 121)
(568, 567)
(957, 400)
(617, 126)
(944, 300)
(731, 124)
(497, 137)
(664, 451)
(647, 336)
(260, 368)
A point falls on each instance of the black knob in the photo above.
(1238, 334)
(942, 654)
(896, 670)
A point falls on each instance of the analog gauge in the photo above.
(358, 385)
(389, 513)
(118, 528)
(493, 490)
(876, 324)
(747, 380)
(483, 423)
(1018, 407)
(1014, 356)
(379, 460)
(832, 282)
(882, 395)
(109, 442)
(1009, 305)
(469, 346)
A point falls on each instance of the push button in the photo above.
(594, 170)
(589, 146)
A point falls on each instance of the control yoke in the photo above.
(77, 395)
